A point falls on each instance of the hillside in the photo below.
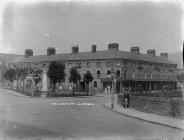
(177, 58)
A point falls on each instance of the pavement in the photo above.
(14, 93)
(153, 118)
(40, 118)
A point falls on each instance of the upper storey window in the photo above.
(88, 64)
(21, 65)
(98, 74)
(108, 64)
(78, 64)
(140, 67)
(98, 64)
(44, 65)
(108, 73)
(70, 65)
(118, 63)
(29, 65)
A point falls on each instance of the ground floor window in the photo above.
(95, 84)
(107, 87)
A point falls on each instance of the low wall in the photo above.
(164, 94)
(178, 108)
(152, 105)
(158, 105)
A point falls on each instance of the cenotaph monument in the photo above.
(44, 83)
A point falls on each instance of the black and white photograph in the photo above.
(91, 70)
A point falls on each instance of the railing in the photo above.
(141, 76)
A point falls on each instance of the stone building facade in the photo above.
(132, 70)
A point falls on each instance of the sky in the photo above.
(39, 24)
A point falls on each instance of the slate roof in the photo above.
(9, 57)
(94, 56)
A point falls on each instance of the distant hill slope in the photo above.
(177, 58)
(8, 57)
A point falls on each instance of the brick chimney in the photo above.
(151, 52)
(113, 47)
(93, 48)
(51, 51)
(134, 50)
(164, 55)
(28, 52)
(75, 49)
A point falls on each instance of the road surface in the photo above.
(73, 118)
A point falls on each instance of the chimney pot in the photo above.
(28, 52)
(164, 55)
(75, 49)
(93, 48)
(151, 52)
(113, 47)
(134, 49)
(51, 51)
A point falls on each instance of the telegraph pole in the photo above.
(113, 91)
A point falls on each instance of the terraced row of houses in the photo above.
(132, 69)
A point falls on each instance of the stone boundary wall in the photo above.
(172, 107)
(178, 108)
(152, 105)
(172, 94)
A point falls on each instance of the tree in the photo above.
(74, 76)
(56, 73)
(87, 79)
(10, 75)
(37, 77)
(22, 73)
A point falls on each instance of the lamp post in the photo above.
(113, 87)
(123, 68)
(113, 76)
(139, 84)
(33, 83)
